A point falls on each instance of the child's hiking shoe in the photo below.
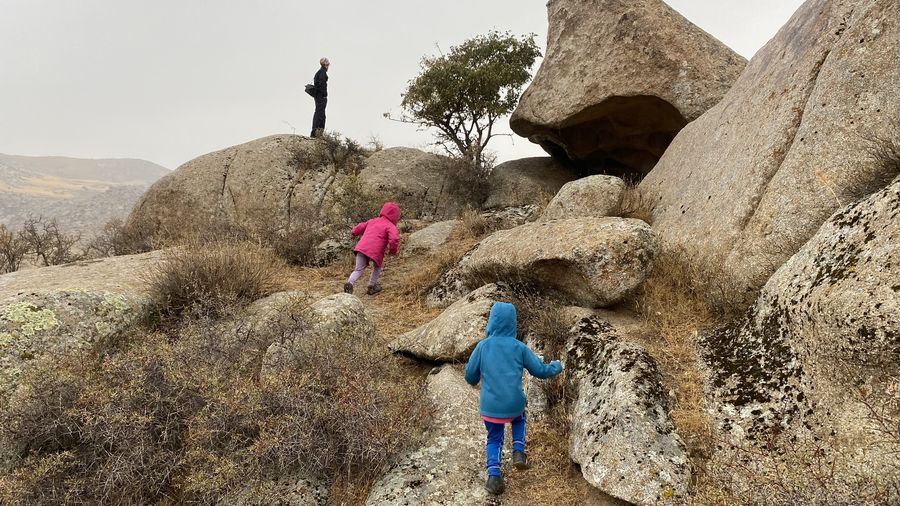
(372, 290)
(495, 485)
(520, 460)
(348, 287)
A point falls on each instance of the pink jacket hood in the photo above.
(390, 211)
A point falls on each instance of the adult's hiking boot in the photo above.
(495, 485)
(348, 287)
(372, 290)
(520, 460)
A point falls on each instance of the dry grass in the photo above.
(675, 304)
(634, 204)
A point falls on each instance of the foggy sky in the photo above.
(168, 80)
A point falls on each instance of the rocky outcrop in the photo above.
(38, 325)
(621, 434)
(276, 180)
(289, 323)
(748, 183)
(819, 349)
(449, 468)
(420, 182)
(592, 196)
(452, 336)
(430, 237)
(619, 79)
(591, 262)
(526, 181)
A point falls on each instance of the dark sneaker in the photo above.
(495, 485)
(348, 287)
(372, 290)
(520, 460)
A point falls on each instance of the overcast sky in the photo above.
(168, 80)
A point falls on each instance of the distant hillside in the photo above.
(82, 194)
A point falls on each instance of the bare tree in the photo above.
(44, 239)
(12, 250)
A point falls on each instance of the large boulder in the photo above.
(591, 262)
(744, 186)
(592, 196)
(526, 181)
(272, 181)
(287, 321)
(818, 352)
(449, 468)
(620, 431)
(619, 79)
(422, 183)
(452, 336)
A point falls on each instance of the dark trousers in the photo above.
(319, 115)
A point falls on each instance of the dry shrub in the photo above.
(465, 177)
(353, 202)
(183, 417)
(203, 278)
(12, 250)
(540, 317)
(473, 225)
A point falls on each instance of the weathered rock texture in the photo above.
(286, 491)
(430, 237)
(122, 275)
(454, 333)
(420, 182)
(285, 319)
(34, 326)
(620, 432)
(591, 262)
(825, 330)
(747, 184)
(526, 181)
(449, 468)
(619, 80)
(592, 196)
(266, 179)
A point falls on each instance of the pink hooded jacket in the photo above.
(379, 233)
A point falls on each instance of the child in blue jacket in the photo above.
(498, 361)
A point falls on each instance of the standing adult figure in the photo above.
(320, 82)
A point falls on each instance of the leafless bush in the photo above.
(354, 203)
(117, 238)
(12, 250)
(204, 277)
(45, 240)
(469, 179)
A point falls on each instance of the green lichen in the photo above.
(103, 328)
(114, 303)
(5, 339)
(28, 319)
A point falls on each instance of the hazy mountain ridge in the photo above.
(82, 194)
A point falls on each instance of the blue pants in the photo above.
(495, 442)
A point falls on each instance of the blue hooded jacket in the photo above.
(498, 361)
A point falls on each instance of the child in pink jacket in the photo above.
(378, 234)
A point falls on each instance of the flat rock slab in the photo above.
(121, 275)
(621, 433)
(430, 237)
(449, 468)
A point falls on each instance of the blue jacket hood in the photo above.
(502, 321)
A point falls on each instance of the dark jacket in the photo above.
(321, 83)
